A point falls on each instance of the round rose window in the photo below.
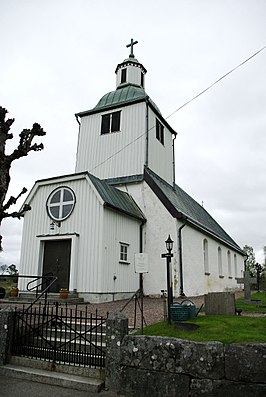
(61, 203)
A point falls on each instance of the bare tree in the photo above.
(24, 147)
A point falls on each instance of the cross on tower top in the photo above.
(132, 42)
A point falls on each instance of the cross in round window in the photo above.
(61, 203)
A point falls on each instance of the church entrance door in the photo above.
(56, 260)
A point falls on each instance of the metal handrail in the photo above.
(137, 295)
(48, 276)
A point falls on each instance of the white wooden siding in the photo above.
(85, 222)
(119, 228)
(160, 157)
(133, 75)
(95, 232)
(116, 154)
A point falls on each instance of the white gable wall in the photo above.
(83, 227)
(95, 233)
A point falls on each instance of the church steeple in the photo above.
(130, 71)
(125, 131)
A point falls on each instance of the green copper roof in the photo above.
(131, 59)
(122, 96)
(116, 199)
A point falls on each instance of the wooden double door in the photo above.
(56, 260)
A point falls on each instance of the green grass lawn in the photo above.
(226, 329)
(254, 308)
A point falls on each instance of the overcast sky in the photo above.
(58, 57)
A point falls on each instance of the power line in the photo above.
(217, 81)
(181, 107)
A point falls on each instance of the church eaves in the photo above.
(117, 199)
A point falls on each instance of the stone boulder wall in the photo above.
(159, 366)
(148, 366)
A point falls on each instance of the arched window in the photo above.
(229, 264)
(206, 257)
(235, 264)
(220, 262)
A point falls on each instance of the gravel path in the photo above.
(153, 308)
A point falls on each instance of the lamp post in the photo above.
(169, 246)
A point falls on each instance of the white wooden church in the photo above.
(86, 227)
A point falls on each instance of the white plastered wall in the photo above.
(159, 225)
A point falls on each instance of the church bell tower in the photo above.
(125, 131)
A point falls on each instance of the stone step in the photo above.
(70, 338)
(87, 355)
(98, 373)
(67, 380)
(74, 333)
(73, 298)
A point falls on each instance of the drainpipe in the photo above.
(174, 161)
(78, 142)
(182, 294)
(141, 250)
(141, 275)
(147, 134)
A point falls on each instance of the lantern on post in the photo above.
(169, 246)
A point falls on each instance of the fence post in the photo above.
(116, 329)
(7, 316)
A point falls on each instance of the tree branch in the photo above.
(25, 142)
(24, 147)
(12, 200)
(16, 214)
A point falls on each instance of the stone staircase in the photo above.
(59, 346)
(28, 297)
(68, 376)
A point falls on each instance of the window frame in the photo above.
(206, 257)
(123, 253)
(159, 132)
(142, 80)
(220, 262)
(235, 265)
(229, 264)
(110, 123)
(123, 76)
(61, 203)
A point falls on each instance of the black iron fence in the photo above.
(60, 334)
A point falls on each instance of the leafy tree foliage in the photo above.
(251, 261)
(255, 269)
(25, 146)
(11, 269)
